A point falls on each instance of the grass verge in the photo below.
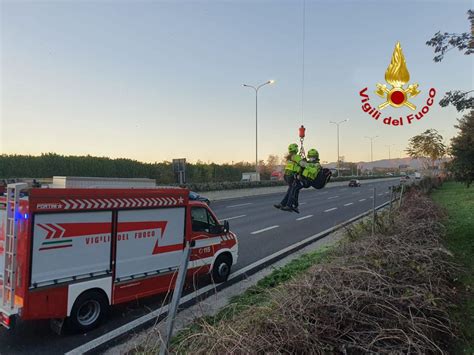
(458, 201)
(257, 295)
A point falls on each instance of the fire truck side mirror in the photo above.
(226, 227)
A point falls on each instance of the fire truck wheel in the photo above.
(88, 311)
(221, 269)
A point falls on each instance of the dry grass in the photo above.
(384, 294)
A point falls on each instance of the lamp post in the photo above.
(389, 155)
(256, 88)
(337, 124)
(388, 146)
(371, 149)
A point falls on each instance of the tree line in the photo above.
(51, 164)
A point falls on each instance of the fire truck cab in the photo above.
(70, 253)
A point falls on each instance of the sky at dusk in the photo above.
(156, 80)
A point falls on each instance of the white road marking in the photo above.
(355, 193)
(324, 192)
(330, 198)
(303, 203)
(387, 192)
(348, 204)
(371, 197)
(362, 200)
(331, 209)
(241, 204)
(380, 194)
(264, 229)
(301, 218)
(228, 219)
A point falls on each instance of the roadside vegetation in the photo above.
(255, 296)
(199, 176)
(392, 292)
(458, 201)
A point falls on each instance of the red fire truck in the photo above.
(70, 253)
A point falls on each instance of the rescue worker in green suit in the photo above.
(311, 170)
(292, 169)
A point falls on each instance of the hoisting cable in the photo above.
(302, 129)
(302, 66)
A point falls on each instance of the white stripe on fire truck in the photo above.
(118, 202)
(48, 228)
(200, 262)
(200, 243)
(61, 229)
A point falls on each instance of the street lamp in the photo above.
(389, 145)
(390, 165)
(337, 124)
(256, 88)
(371, 149)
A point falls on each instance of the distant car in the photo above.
(196, 197)
(354, 183)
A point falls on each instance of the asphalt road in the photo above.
(261, 229)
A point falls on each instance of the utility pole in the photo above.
(337, 124)
(256, 88)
